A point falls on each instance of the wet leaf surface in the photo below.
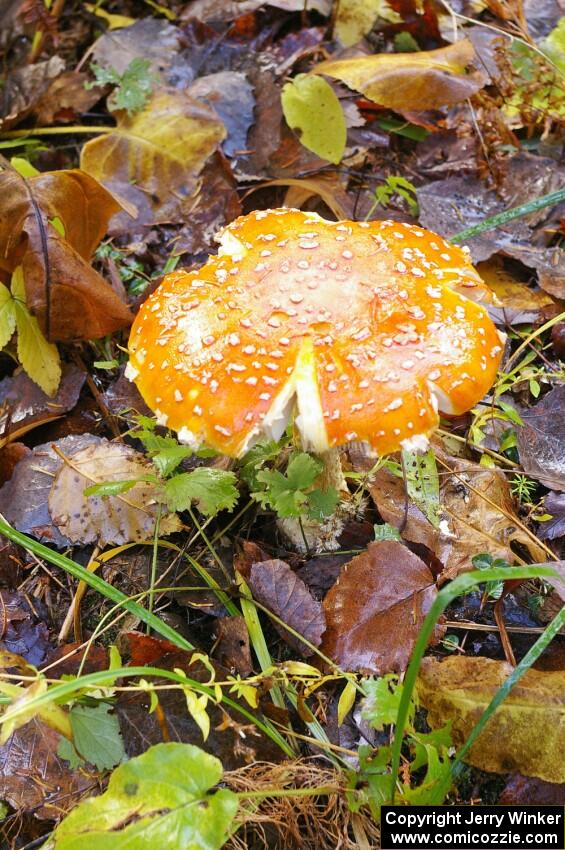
(528, 791)
(276, 586)
(541, 440)
(105, 519)
(525, 733)
(375, 610)
(23, 499)
(24, 88)
(25, 406)
(24, 630)
(69, 298)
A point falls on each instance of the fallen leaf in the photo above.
(23, 631)
(232, 647)
(524, 735)
(10, 456)
(24, 406)
(375, 610)
(65, 99)
(122, 397)
(448, 206)
(528, 791)
(481, 517)
(554, 504)
(103, 520)
(264, 134)
(279, 589)
(23, 499)
(140, 729)
(410, 81)
(311, 108)
(355, 18)
(34, 779)
(231, 95)
(518, 303)
(153, 39)
(23, 89)
(541, 439)
(153, 158)
(69, 299)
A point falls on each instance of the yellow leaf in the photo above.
(114, 21)
(19, 712)
(346, 701)
(314, 112)
(153, 157)
(526, 734)
(39, 358)
(7, 315)
(410, 81)
(355, 18)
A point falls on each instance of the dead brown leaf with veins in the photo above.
(50, 224)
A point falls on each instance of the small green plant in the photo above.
(523, 488)
(133, 87)
(395, 186)
(292, 494)
(493, 589)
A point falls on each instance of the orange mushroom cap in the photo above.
(367, 327)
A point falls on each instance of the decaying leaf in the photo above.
(410, 81)
(24, 87)
(117, 519)
(23, 499)
(518, 303)
(231, 95)
(376, 608)
(276, 586)
(525, 734)
(541, 440)
(23, 405)
(154, 39)
(355, 18)
(69, 299)
(34, 778)
(153, 158)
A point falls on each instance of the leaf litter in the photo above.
(202, 122)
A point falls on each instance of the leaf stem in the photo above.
(56, 131)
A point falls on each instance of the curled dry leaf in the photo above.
(23, 499)
(279, 589)
(376, 608)
(541, 440)
(126, 517)
(525, 734)
(153, 158)
(69, 299)
(24, 406)
(410, 81)
(518, 303)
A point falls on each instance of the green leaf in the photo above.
(111, 488)
(7, 315)
(314, 112)
(322, 503)
(96, 735)
(167, 459)
(255, 459)
(66, 751)
(39, 358)
(23, 167)
(302, 471)
(161, 799)
(422, 483)
(213, 490)
(385, 531)
(134, 86)
(382, 699)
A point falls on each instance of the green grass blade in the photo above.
(462, 584)
(508, 215)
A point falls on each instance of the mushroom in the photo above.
(365, 330)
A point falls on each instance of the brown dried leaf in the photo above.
(525, 734)
(23, 632)
(153, 158)
(24, 87)
(541, 440)
(34, 779)
(376, 608)
(276, 586)
(410, 81)
(527, 791)
(105, 520)
(154, 39)
(23, 499)
(518, 303)
(70, 300)
(66, 98)
(25, 406)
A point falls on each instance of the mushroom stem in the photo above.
(332, 473)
